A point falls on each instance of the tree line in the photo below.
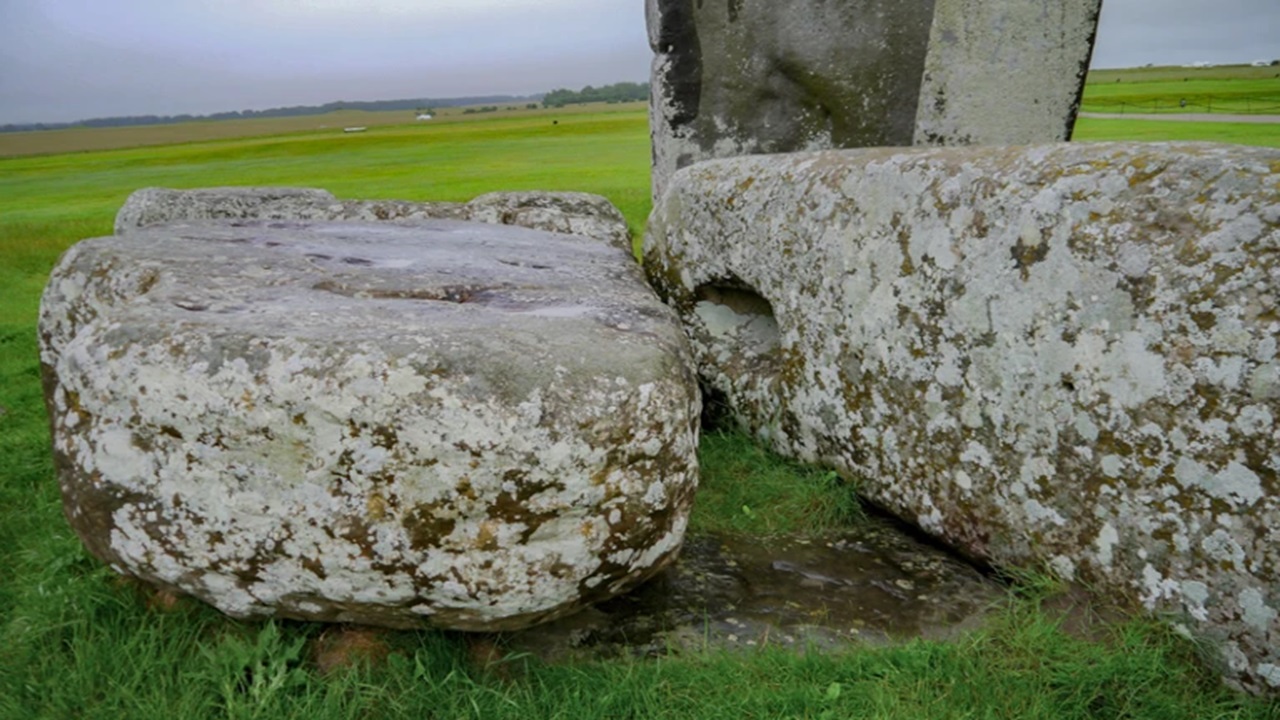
(615, 93)
(295, 110)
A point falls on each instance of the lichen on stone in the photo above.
(1055, 356)
(316, 420)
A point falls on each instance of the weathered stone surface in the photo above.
(565, 212)
(1062, 356)
(870, 584)
(1005, 73)
(743, 78)
(439, 424)
(153, 206)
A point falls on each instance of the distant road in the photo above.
(1186, 117)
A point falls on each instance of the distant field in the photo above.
(44, 142)
(1177, 73)
(49, 201)
(1235, 89)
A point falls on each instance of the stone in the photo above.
(565, 212)
(440, 424)
(1058, 357)
(154, 206)
(870, 584)
(741, 78)
(342, 648)
(1005, 73)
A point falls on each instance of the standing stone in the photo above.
(746, 77)
(1062, 357)
(1005, 73)
(443, 424)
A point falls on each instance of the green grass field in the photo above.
(116, 138)
(1234, 89)
(1099, 130)
(75, 642)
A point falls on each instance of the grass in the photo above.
(116, 138)
(1237, 89)
(195, 665)
(77, 642)
(1106, 77)
(748, 490)
(1101, 129)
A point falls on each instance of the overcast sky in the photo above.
(64, 60)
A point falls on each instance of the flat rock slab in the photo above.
(1061, 356)
(573, 213)
(872, 584)
(447, 424)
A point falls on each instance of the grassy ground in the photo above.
(85, 139)
(746, 490)
(77, 642)
(1237, 89)
(1098, 129)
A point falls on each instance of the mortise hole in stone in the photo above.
(739, 320)
(735, 335)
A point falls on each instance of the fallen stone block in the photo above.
(565, 212)
(1060, 356)
(740, 78)
(441, 424)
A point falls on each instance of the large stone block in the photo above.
(440, 424)
(566, 212)
(1060, 356)
(736, 78)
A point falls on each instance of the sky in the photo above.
(67, 60)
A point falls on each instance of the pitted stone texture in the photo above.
(574, 213)
(1060, 356)
(154, 206)
(741, 78)
(565, 212)
(445, 424)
